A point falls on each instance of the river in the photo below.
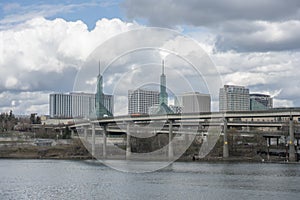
(63, 179)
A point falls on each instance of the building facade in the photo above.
(260, 102)
(194, 102)
(108, 102)
(176, 109)
(140, 100)
(60, 105)
(103, 102)
(77, 105)
(163, 95)
(82, 104)
(234, 98)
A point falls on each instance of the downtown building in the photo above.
(194, 102)
(234, 98)
(140, 101)
(103, 102)
(60, 105)
(163, 107)
(82, 105)
(77, 105)
(151, 102)
(260, 102)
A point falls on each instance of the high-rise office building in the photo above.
(77, 105)
(70, 105)
(192, 102)
(82, 104)
(140, 100)
(103, 102)
(163, 107)
(60, 105)
(234, 98)
(108, 102)
(163, 95)
(260, 102)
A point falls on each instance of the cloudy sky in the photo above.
(44, 44)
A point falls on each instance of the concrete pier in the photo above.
(85, 131)
(225, 145)
(292, 156)
(170, 149)
(72, 133)
(128, 147)
(104, 141)
(93, 139)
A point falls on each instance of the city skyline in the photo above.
(154, 102)
(43, 45)
(149, 99)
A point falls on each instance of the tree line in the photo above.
(8, 121)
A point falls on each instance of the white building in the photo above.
(76, 105)
(194, 102)
(140, 100)
(234, 98)
(60, 105)
(83, 104)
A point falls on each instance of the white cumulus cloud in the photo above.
(41, 55)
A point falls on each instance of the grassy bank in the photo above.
(74, 150)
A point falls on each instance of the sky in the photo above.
(45, 44)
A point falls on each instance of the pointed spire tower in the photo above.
(101, 110)
(99, 81)
(99, 94)
(163, 95)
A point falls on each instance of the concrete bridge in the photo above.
(200, 121)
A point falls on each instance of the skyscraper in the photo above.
(73, 105)
(192, 102)
(163, 95)
(82, 104)
(260, 102)
(60, 105)
(163, 107)
(139, 101)
(77, 105)
(234, 98)
(101, 110)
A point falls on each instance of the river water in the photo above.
(60, 179)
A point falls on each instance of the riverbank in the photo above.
(75, 150)
(72, 150)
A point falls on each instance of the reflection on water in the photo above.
(58, 179)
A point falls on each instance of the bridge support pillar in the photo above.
(225, 138)
(104, 141)
(72, 133)
(170, 149)
(128, 147)
(85, 132)
(292, 157)
(93, 139)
